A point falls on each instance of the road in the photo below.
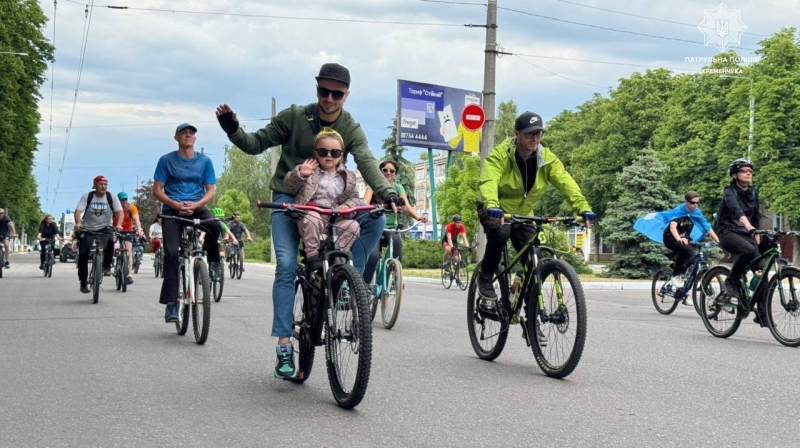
(114, 374)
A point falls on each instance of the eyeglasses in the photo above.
(325, 152)
(388, 171)
(322, 92)
(533, 134)
(693, 202)
(746, 171)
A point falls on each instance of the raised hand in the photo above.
(308, 167)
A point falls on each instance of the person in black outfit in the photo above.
(48, 230)
(738, 217)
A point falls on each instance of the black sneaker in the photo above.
(486, 286)
(129, 280)
(733, 288)
(84, 288)
(313, 264)
(171, 313)
(41, 267)
(6, 265)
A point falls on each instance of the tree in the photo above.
(236, 201)
(504, 124)
(405, 170)
(643, 192)
(21, 26)
(149, 207)
(251, 176)
(458, 194)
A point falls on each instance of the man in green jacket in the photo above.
(513, 180)
(295, 129)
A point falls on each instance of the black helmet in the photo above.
(456, 218)
(738, 164)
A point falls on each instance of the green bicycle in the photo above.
(387, 285)
(776, 292)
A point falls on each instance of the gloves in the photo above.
(227, 123)
(495, 212)
(589, 216)
(392, 198)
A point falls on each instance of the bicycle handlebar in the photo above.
(321, 210)
(774, 233)
(568, 220)
(194, 222)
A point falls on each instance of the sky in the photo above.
(146, 70)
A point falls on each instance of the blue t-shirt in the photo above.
(185, 179)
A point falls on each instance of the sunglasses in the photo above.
(746, 171)
(325, 152)
(388, 171)
(322, 92)
(533, 134)
(694, 202)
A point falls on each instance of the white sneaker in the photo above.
(676, 282)
(688, 301)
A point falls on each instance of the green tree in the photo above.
(504, 124)
(643, 192)
(149, 207)
(234, 200)
(249, 175)
(458, 194)
(405, 171)
(21, 26)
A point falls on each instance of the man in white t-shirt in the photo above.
(96, 211)
(155, 234)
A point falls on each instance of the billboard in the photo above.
(430, 116)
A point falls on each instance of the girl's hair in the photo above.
(387, 162)
(47, 216)
(691, 194)
(329, 133)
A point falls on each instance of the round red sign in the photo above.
(473, 117)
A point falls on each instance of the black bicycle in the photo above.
(49, 256)
(158, 263)
(548, 304)
(217, 271)
(666, 296)
(138, 252)
(332, 310)
(236, 264)
(95, 278)
(121, 267)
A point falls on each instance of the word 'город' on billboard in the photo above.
(429, 116)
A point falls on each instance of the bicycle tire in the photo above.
(303, 346)
(661, 300)
(218, 279)
(182, 324)
(791, 276)
(352, 310)
(117, 279)
(375, 299)
(390, 305)
(476, 323)
(695, 290)
(447, 279)
(156, 266)
(713, 281)
(463, 276)
(2, 261)
(48, 268)
(232, 267)
(124, 271)
(161, 266)
(554, 331)
(97, 277)
(137, 261)
(201, 308)
(240, 266)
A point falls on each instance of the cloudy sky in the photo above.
(144, 70)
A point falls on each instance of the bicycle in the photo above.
(49, 257)
(217, 272)
(722, 314)
(666, 297)
(138, 252)
(460, 272)
(95, 277)
(332, 310)
(387, 286)
(121, 268)
(158, 263)
(236, 264)
(543, 304)
(195, 282)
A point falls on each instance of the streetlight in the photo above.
(752, 109)
(11, 52)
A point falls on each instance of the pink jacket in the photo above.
(304, 188)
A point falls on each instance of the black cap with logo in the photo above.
(529, 122)
(335, 72)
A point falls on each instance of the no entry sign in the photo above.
(473, 117)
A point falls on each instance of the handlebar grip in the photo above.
(265, 204)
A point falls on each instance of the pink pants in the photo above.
(311, 227)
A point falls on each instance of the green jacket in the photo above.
(501, 181)
(295, 129)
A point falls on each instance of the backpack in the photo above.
(715, 223)
(89, 201)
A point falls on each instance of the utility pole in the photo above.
(752, 118)
(273, 162)
(487, 137)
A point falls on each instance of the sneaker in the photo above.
(486, 286)
(733, 288)
(676, 282)
(107, 273)
(6, 265)
(313, 264)
(171, 313)
(84, 288)
(41, 267)
(129, 280)
(284, 366)
(542, 337)
(688, 301)
(242, 268)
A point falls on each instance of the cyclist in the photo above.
(225, 233)
(389, 169)
(156, 233)
(130, 226)
(184, 181)
(513, 179)
(96, 210)
(450, 239)
(237, 227)
(5, 225)
(295, 129)
(738, 217)
(48, 230)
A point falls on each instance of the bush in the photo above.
(258, 250)
(422, 254)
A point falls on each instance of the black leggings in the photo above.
(683, 253)
(496, 238)
(745, 247)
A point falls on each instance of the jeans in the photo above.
(286, 240)
(375, 256)
(683, 253)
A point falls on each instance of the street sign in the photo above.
(68, 212)
(473, 117)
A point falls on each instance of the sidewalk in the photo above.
(620, 285)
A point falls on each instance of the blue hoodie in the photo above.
(653, 224)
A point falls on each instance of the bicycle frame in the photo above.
(771, 255)
(699, 262)
(383, 265)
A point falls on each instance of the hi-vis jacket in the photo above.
(501, 181)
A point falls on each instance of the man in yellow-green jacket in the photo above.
(513, 180)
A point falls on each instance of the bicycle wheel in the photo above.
(374, 298)
(137, 261)
(462, 274)
(182, 324)
(97, 277)
(201, 308)
(390, 305)
(2, 261)
(565, 330)
(161, 266)
(240, 266)
(117, 278)
(698, 279)
(48, 267)
(447, 278)
(303, 346)
(663, 294)
(486, 334)
(783, 307)
(218, 278)
(348, 343)
(124, 272)
(719, 314)
(232, 267)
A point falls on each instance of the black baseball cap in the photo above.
(529, 122)
(336, 72)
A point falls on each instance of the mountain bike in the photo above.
(387, 286)
(121, 268)
(332, 310)
(548, 303)
(195, 282)
(49, 257)
(235, 265)
(774, 296)
(95, 277)
(158, 263)
(217, 272)
(666, 296)
(138, 252)
(458, 272)
(3, 253)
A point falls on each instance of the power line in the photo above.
(84, 44)
(676, 39)
(560, 76)
(125, 125)
(603, 62)
(52, 81)
(643, 17)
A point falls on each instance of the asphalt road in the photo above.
(114, 374)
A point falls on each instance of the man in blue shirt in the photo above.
(184, 182)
